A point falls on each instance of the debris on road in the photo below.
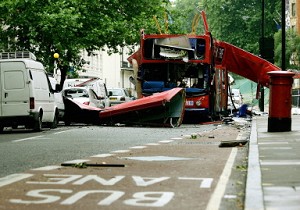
(85, 165)
(233, 143)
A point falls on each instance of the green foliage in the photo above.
(239, 22)
(67, 26)
(182, 16)
(292, 49)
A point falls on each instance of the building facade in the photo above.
(113, 69)
(294, 15)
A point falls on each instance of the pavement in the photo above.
(273, 177)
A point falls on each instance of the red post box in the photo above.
(280, 102)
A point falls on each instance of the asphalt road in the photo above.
(163, 168)
(21, 150)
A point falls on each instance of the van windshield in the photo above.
(76, 93)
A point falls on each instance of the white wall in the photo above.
(108, 68)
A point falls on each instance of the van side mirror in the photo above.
(110, 93)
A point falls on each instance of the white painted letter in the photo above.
(140, 181)
(205, 182)
(98, 179)
(114, 195)
(141, 199)
(57, 179)
(37, 194)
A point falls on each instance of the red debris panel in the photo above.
(165, 108)
(243, 63)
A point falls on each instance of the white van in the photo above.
(96, 84)
(26, 96)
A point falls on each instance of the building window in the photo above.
(293, 9)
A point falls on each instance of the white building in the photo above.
(113, 69)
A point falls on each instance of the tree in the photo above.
(68, 26)
(239, 22)
(181, 16)
(292, 49)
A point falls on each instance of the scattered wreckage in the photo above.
(177, 76)
(161, 109)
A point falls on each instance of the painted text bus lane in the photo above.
(163, 180)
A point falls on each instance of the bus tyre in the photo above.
(38, 124)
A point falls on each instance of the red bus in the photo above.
(165, 61)
(198, 63)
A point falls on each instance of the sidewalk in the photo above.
(273, 179)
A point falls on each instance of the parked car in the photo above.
(118, 96)
(83, 95)
(95, 84)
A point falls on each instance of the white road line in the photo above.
(215, 199)
(13, 178)
(47, 168)
(152, 144)
(76, 161)
(166, 141)
(102, 155)
(120, 151)
(138, 147)
(59, 132)
(26, 139)
(176, 138)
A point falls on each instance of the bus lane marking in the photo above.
(215, 199)
(106, 197)
(13, 178)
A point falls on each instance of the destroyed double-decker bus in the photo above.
(165, 61)
(198, 63)
(188, 72)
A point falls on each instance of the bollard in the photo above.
(280, 102)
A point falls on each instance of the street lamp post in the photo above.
(262, 53)
(56, 56)
(283, 67)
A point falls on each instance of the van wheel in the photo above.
(1, 128)
(55, 121)
(67, 122)
(38, 124)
